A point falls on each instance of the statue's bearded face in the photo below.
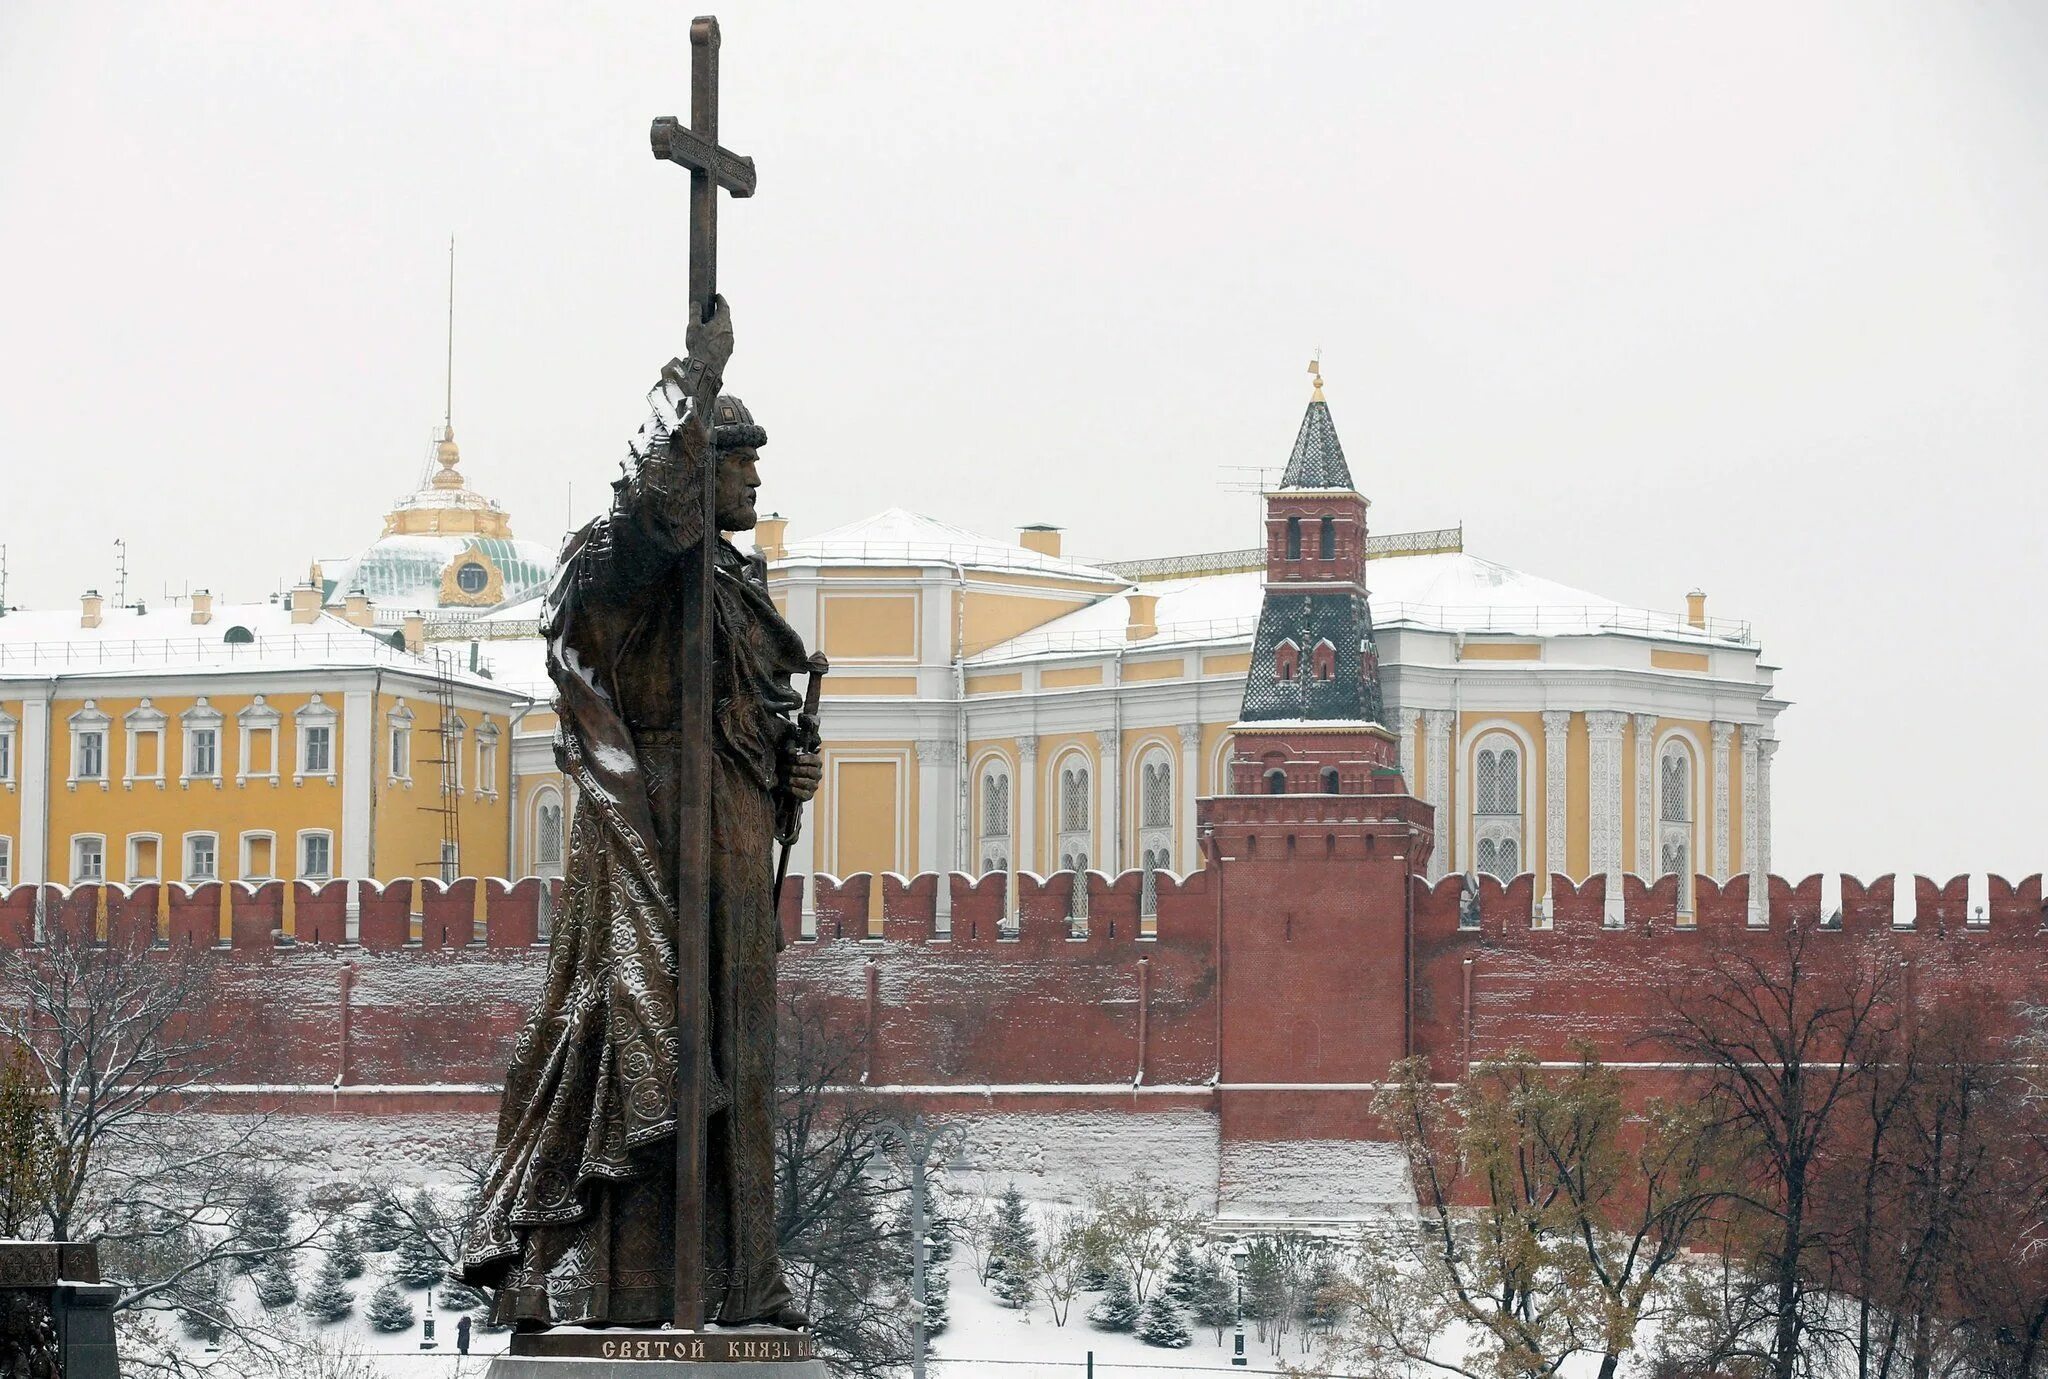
(738, 479)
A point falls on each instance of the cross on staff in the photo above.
(711, 167)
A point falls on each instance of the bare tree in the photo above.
(1062, 1259)
(1138, 1221)
(1787, 1037)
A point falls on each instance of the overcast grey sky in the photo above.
(1648, 296)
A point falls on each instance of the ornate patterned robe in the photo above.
(574, 1223)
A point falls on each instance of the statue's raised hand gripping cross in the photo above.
(711, 167)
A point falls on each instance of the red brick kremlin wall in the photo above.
(1294, 967)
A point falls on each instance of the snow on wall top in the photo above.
(897, 536)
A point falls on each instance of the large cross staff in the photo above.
(711, 168)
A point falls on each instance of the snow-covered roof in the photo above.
(518, 663)
(165, 640)
(1452, 591)
(897, 536)
(405, 572)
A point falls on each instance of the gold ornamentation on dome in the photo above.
(472, 580)
(448, 457)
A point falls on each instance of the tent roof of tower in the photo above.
(1317, 460)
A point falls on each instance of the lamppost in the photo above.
(1239, 1253)
(920, 1142)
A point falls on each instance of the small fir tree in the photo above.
(383, 1224)
(330, 1299)
(389, 1310)
(457, 1296)
(1184, 1276)
(347, 1251)
(202, 1298)
(1117, 1310)
(1162, 1324)
(1215, 1305)
(263, 1222)
(938, 1295)
(275, 1286)
(419, 1264)
(1014, 1241)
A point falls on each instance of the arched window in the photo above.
(1075, 837)
(1326, 543)
(1155, 821)
(1294, 538)
(1286, 660)
(238, 636)
(995, 818)
(548, 834)
(1323, 661)
(1332, 785)
(1497, 807)
(1276, 781)
(1674, 817)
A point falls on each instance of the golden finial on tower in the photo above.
(1315, 371)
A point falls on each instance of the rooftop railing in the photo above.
(119, 653)
(1436, 541)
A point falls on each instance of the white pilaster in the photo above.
(1109, 810)
(1190, 764)
(1027, 806)
(32, 852)
(1557, 726)
(1752, 863)
(1404, 729)
(1646, 795)
(1766, 748)
(1604, 784)
(937, 763)
(1724, 734)
(358, 761)
(1436, 759)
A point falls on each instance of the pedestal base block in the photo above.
(623, 1353)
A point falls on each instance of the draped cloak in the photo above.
(575, 1222)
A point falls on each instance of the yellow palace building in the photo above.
(997, 706)
(994, 705)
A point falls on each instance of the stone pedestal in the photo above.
(635, 1353)
(56, 1317)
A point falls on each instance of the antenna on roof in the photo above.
(120, 573)
(3, 581)
(448, 378)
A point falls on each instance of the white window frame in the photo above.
(1076, 846)
(185, 845)
(994, 849)
(6, 862)
(10, 740)
(544, 799)
(258, 717)
(306, 837)
(1686, 831)
(78, 844)
(487, 760)
(315, 713)
(134, 873)
(201, 717)
(451, 862)
(1155, 840)
(454, 736)
(245, 845)
(144, 718)
(1486, 832)
(87, 722)
(398, 744)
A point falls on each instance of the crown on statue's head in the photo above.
(732, 425)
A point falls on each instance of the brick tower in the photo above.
(1312, 854)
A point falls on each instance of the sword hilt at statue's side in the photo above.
(809, 739)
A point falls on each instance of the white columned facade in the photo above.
(33, 771)
(1436, 765)
(1404, 729)
(1759, 897)
(1189, 765)
(1108, 751)
(1724, 734)
(937, 762)
(1603, 794)
(1557, 726)
(1026, 858)
(358, 769)
(1647, 865)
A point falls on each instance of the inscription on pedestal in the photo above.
(687, 1347)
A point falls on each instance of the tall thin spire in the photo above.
(448, 400)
